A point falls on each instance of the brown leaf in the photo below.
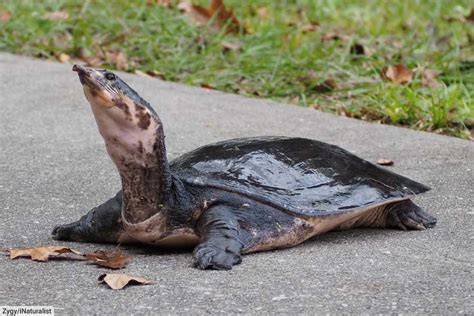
(307, 78)
(397, 73)
(93, 61)
(63, 58)
(342, 110)
(216, 13)
(310, 27)
(150, 74)
(234, 46)
(141, 73)
(329, 36)
(385, 162)
(207, 86)
(336, 35)
(327, 85)
(56, 16)
(117, 58)
(40, 253)
(428, 79)
(117, 281)
(115, 259)
(5, 16)
(262, 12)
(156, 74)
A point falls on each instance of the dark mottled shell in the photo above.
(302, 176)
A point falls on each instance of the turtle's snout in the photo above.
(81, 70)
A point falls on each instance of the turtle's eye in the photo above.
(109, 76)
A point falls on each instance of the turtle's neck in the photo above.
(146, 178)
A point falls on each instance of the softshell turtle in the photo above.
(233, 197)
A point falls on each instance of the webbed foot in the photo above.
(406, 215)
(220, 245)
(217, 257)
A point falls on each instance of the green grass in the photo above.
(277, 59)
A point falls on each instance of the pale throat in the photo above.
(134, 139)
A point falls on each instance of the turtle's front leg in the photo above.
(100, 224)
(221, 239)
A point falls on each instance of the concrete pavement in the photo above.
(53, 169)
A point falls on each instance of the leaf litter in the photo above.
(398, 73)
(114, 259)
(42, 253)
(216, 15)
(117, 281)
(385, 162)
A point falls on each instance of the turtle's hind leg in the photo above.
(404, 215)
(100, 224)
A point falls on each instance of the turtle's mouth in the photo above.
(95, 86)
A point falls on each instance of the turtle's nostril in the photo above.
(78, 68)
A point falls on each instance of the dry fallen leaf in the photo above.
(118, 58)
(327, 85)
(216, 14)
(5, 16)
(151, 74)
(310, 27)
(115, 259)
(157, 74)
(336, 35)
(56, 16)
(118, 281)
(329, 36)
(207, 86)
(308, 78)
(141, 73)
(342, 110)
(93, 61)
(228, 46)
(428, 78)
(40, 253)
(385, 162)
(397, 73)
(63, 58)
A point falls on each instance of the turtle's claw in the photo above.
(212, 257)
(408, 216)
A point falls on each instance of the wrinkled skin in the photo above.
(233, 197)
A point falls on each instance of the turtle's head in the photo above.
(128, 124)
